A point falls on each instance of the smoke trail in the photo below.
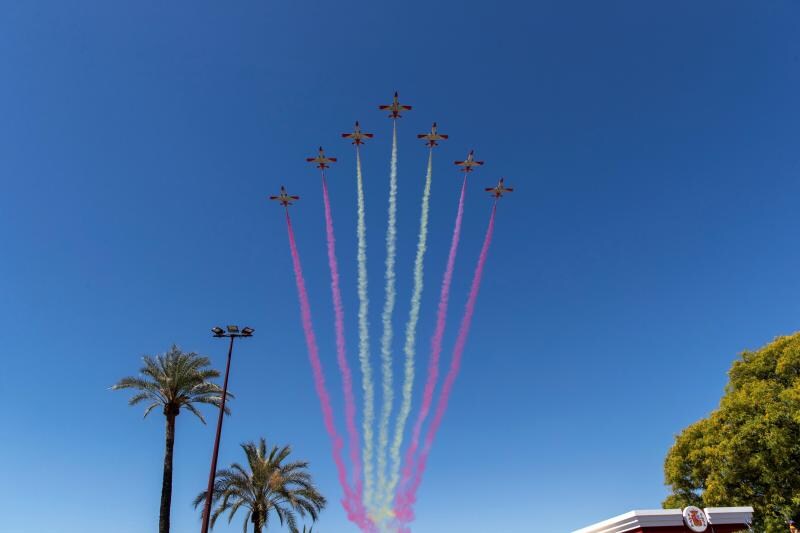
(341, 350)
(386, 317)
(410, 344)
(353, 515)
(436, 345)
(363, 337)
(405, 501)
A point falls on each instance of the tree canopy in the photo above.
(173, 381)
(268, 485)
(747, 451)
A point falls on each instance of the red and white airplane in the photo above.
(284, 198)
(358, 136)
(395, 107)
(499, 190)
(432, 138)
(469, 163)
(321, 161)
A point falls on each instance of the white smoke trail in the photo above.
(363, 339)
(386, 317)
(409, 348)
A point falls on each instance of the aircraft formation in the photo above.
(432, 138)
(380, 488)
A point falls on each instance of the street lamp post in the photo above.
(232, 332)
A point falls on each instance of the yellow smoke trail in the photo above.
(363, 338)
(386, 317)
(409, 348)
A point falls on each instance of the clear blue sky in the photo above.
(653, 235)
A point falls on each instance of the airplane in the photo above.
(499, 190)
(357, 135)
(284, 198)
(469, 163)
(432, 137)
(321, 161)
(395, 107)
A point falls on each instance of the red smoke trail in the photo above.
(354, 515)
(341, 352)
(403, 510)
(436, 350)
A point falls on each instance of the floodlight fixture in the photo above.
(247, 331)
(217, 331)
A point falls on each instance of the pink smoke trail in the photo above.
(354, 448)
(405, 501)
(357, 515)
(436, 347)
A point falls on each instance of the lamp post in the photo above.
(231, 332)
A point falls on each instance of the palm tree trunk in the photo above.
(256, 522)
(166, 483)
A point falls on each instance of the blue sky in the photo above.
(651, 238)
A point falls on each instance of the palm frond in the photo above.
(291, 521)
(234, 508)
(192, 409)
(200, 498)
(214, 515)
(150, 408)
(137, 398)
(280, 512)
(216, 401)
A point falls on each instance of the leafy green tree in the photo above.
(268, 485)
(747, 452)
(173, 381)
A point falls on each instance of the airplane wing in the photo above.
(509, 189)
(489, 189)
(294, 197)
(423, 136)
(273, 197)
(384, 107)
(333, 159)
(368, 135)
(348, 135)
(443, 136)
(311, 159)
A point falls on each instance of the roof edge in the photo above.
(636, 519)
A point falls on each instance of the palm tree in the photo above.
(173, 381)
(268, 485)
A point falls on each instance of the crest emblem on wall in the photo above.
(695, 519)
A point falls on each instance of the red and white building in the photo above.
(689, 520)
